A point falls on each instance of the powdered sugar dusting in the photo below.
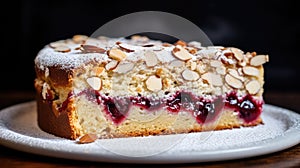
(49, 57)
(75, 58)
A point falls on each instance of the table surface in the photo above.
(286, 158)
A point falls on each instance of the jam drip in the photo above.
(204, 110)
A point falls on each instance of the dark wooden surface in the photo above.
(287, 158)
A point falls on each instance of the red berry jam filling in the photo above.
(203, 109)
(64, 105)
(116, 108)
(249, 109)
(146, 103)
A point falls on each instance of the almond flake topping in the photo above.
(111, 65)
(79, 39)
(233, 82)
(57, 44)
(212, 78)
(92, 49)
(94, 82)
(150, 58)
(216, 63)
(124, 67)
(181, 43)
(62, 49)
(117, 54)
(252, 71)
(176, 63)
(259, 60)
(235, 74)
(253, 87)
(181, 53)
(190, 75)
(154, 83)
(125, 47)
(237, 53)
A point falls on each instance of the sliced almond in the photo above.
(242, 63)
(111, 65)
(166, 44)
(154, 83)
(253, 87)
(63, 49)
(94, 82)
(124, 67)
(176, 63)
(259, 60)
(235, 74)
(216, 63)
(57, 44)
(233, 82)
(125, 47)
(117, 54)
(212, 78)
(181, 53)
(227, 61)
(252, 71)
(79, 39)
(240, 71)
(221, 70)
(150, 58)
(140, 38)
(190, 75)
(87, 138)
(195, 44)
(181, 43)
(92, 49)
(237, 53)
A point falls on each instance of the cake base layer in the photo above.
(90, 117)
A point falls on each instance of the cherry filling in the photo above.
(208, 111)
(204, 110)
(250, 109)
(117, 108)
(232, 100)
(146, 103)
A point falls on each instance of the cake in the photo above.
(127, 87)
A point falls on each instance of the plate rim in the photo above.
(272, 145)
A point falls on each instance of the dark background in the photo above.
(267, 27)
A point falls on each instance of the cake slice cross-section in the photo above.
(118, 87)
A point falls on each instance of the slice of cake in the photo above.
(117, 87)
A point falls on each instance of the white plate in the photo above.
(281, 130)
